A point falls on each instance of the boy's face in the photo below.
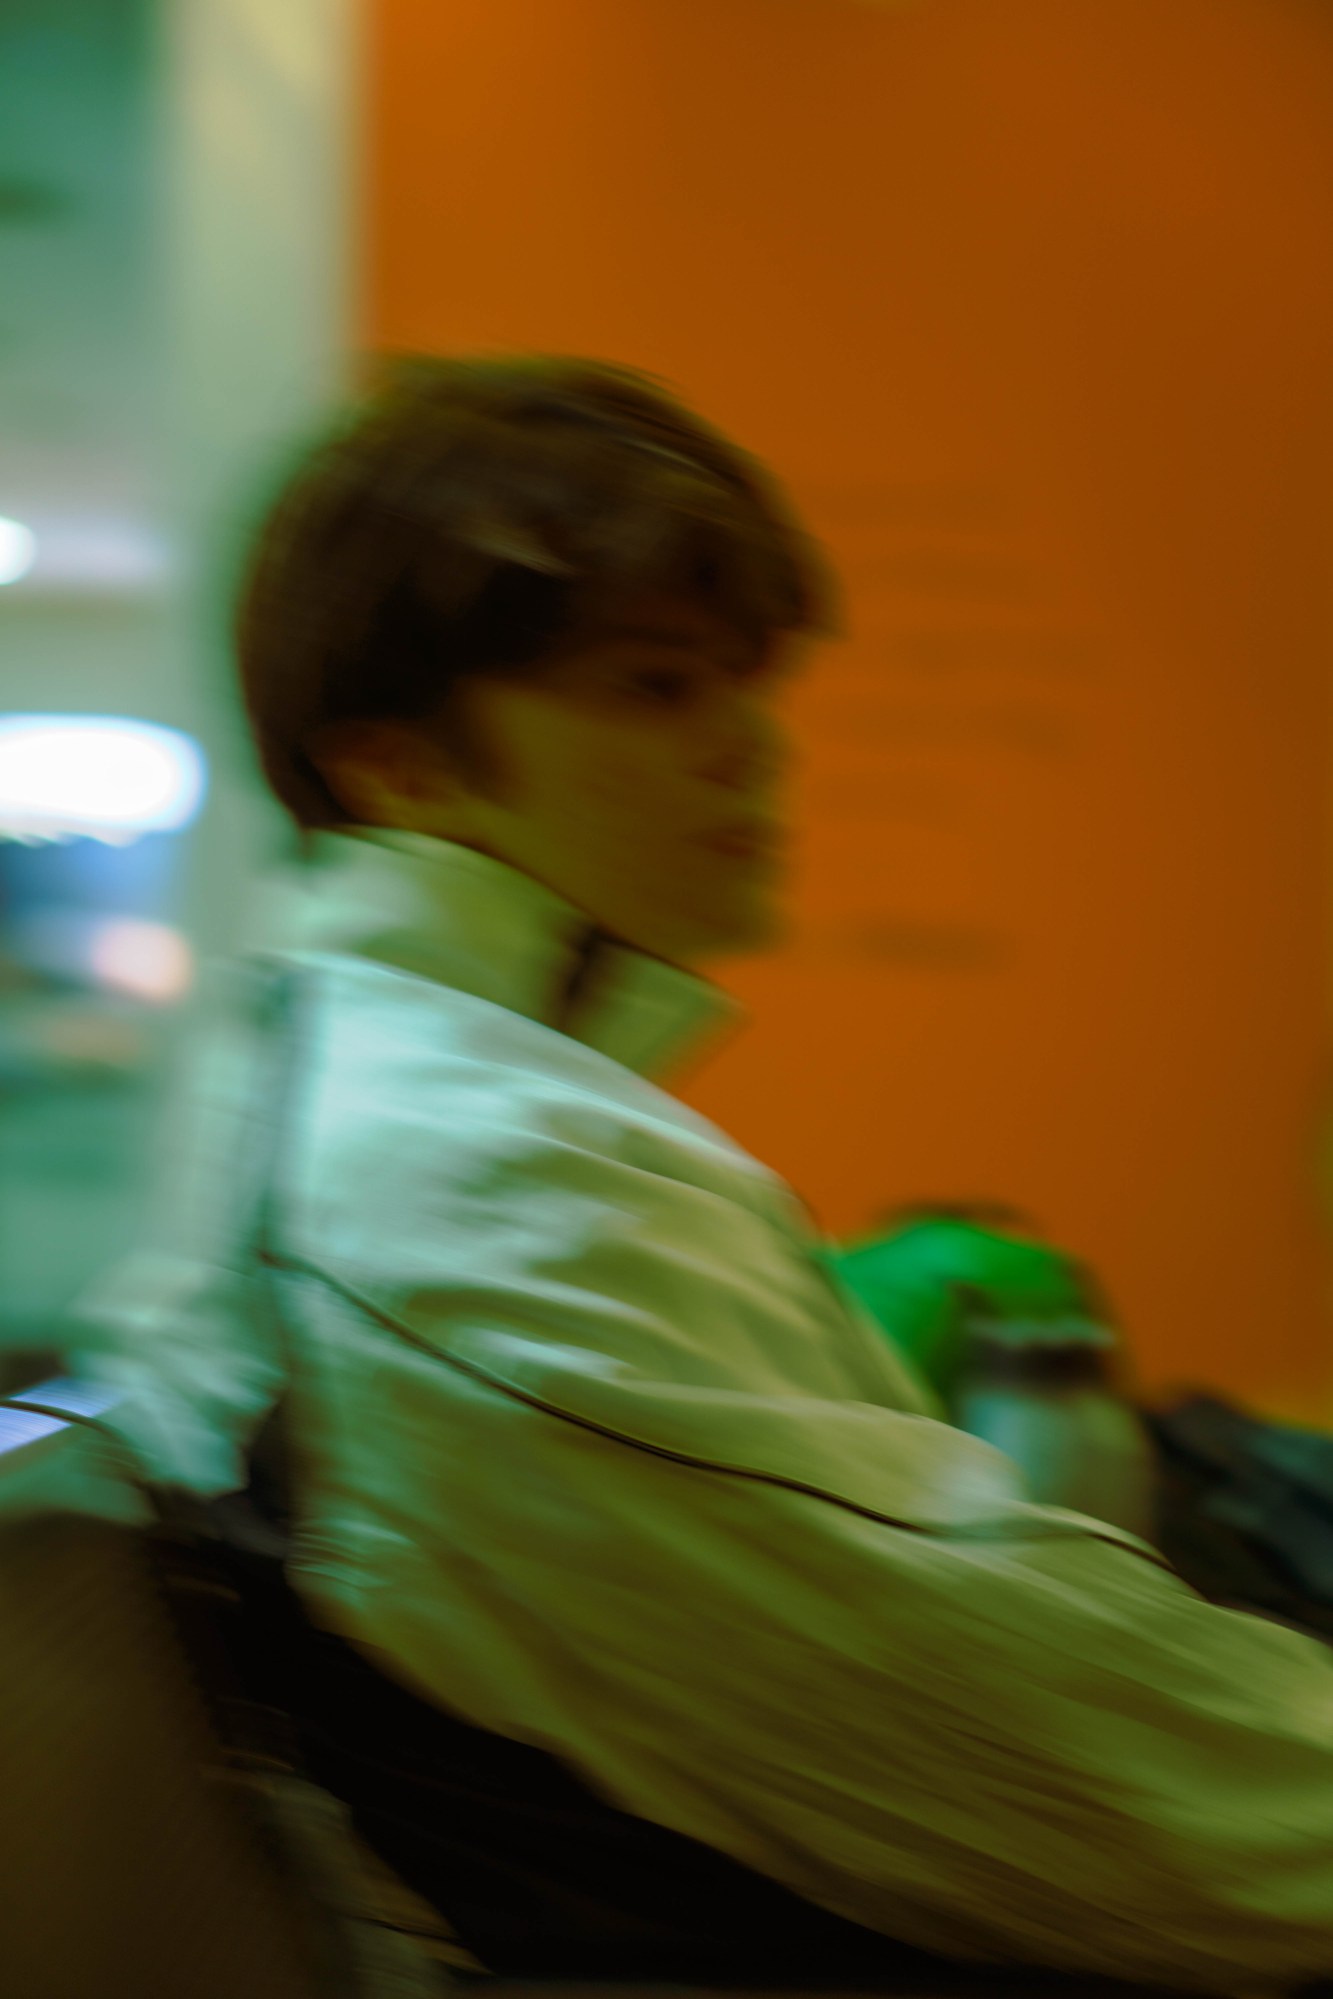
(642, 778)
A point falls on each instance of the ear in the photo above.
(385, 773)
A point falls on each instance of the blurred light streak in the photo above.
(148, 961)
(103, 777)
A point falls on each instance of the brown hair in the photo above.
(482, 515)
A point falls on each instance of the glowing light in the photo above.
(150, 961)
(62, 776)
(18, 550)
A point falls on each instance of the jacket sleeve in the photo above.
(589, 1498)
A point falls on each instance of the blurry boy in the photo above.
(675, 1635)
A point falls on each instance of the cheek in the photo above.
(632, 784)
(609, 791)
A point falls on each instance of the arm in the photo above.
(614, 1501)
(980, 1734)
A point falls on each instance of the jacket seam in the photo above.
(297, 1266)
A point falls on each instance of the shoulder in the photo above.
(449, 1106)
(476, 1181)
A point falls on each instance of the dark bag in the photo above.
(1245, 1510)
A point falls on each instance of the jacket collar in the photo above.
(447, 913)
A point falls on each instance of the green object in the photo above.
(928, 1282)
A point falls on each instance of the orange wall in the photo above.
(1031, 303)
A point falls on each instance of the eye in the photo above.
(664, 685)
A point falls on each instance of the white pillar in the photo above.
(255, 222)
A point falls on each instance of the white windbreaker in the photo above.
(592, 1452)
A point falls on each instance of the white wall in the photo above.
(176, 308)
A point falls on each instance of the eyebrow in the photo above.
(664, 635)
(653, 634)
